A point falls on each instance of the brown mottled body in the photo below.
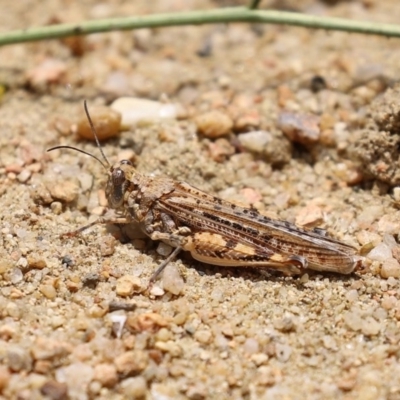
(217, 232)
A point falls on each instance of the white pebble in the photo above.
(352, 296)
(24, 175)
(251, 346)
(255, 141)
(282, 352)
(370, 327)
(172, 280)
(118, 321)
(389, 240)
(135, 110)
(382, 252)
(77, 376)
(16, 276)
(157, 291)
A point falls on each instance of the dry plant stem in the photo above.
(162, 266)
(221, 15)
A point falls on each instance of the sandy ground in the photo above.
(75, 319)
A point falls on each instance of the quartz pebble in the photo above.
(77, 376)
(255, 141)
(301, 128)
(118, 322)
(214, 124)
(370, 326)
(135, 110)
(382, 252)
(18, 359)
(24, 175)
(106, 120)
(172, 280)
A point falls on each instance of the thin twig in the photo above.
(234, 14)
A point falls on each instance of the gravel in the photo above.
(79, 320)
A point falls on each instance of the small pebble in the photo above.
(135, 110)
(36, 262)
(150, 322)
(50, 70)
(389, 223)
(131, 362)
(282, 352)
(370, 327)
(353, 320)
(127, 285)
(214, 124)
(157, 291)
(172, 280)
(310, 216)
(169, 347)
(390, 268)
(18, 359)
(197, 392)
(56, 207)
(77, 377)
(24, 175)
(134, 388)
(49, 349)
(259, 359)
(4, 377)
(107, 123)
(106, 374)
(164, 249)
(118, 321)
(55, 390)
(107, 245)
(382, 252)
(255, 141)
(352, 296)
(251, 346)
(301, 128)
(285, 324)
(5, 265)
(48, 291)
(65, 191)
(203, 336)
(16, 276)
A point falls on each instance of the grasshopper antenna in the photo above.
(93, 129)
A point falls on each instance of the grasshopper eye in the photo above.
(126, 162)
(118, 177)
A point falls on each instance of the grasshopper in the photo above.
(213, 230)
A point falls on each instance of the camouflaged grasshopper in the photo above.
(214, 231)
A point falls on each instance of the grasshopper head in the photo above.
(119, 180)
